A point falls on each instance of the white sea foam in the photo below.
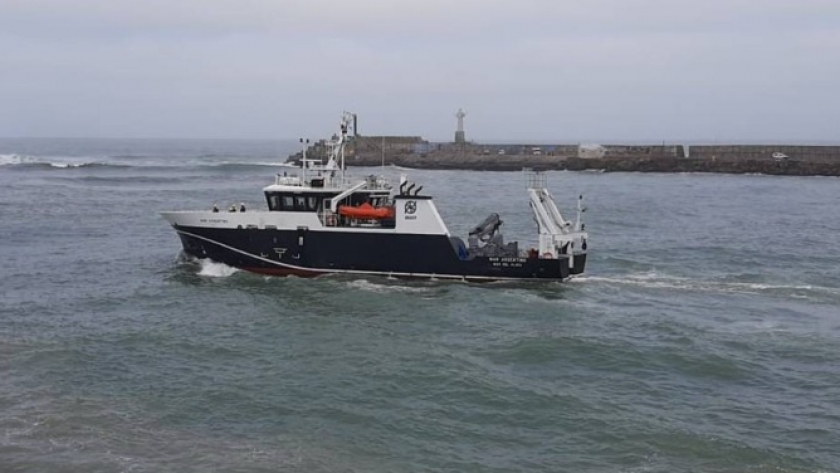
(402, 168)
(66, 165)
(17, 160)
(212, 269)
(279, 164)
(13, 159)
(272, 164)
(655, 280)
(75, 162)
(364, 285)
(754, 326)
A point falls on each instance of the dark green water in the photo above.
(705, 336)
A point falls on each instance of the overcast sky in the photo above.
(582, 70)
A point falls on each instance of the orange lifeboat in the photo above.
(366, 212)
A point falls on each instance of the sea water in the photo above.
(704, 336)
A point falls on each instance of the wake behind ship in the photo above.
(320, 222)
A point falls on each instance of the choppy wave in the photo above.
(697, 330)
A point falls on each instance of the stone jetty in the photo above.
(414, 152)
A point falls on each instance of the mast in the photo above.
(343, 167)
(347, 120)
(303, 164)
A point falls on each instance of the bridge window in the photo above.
(294, 203)
(288, 203)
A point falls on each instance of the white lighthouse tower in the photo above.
(459, 133)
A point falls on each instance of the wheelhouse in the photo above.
(287, 201)
(300, 200)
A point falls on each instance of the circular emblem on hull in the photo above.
(411, 207)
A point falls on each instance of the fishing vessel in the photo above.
(320, 221)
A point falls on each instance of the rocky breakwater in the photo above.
(787, 167)
(412, 152)
(475, 162)
(478, 162)
(623, 164)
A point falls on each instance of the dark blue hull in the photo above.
(312, 253)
